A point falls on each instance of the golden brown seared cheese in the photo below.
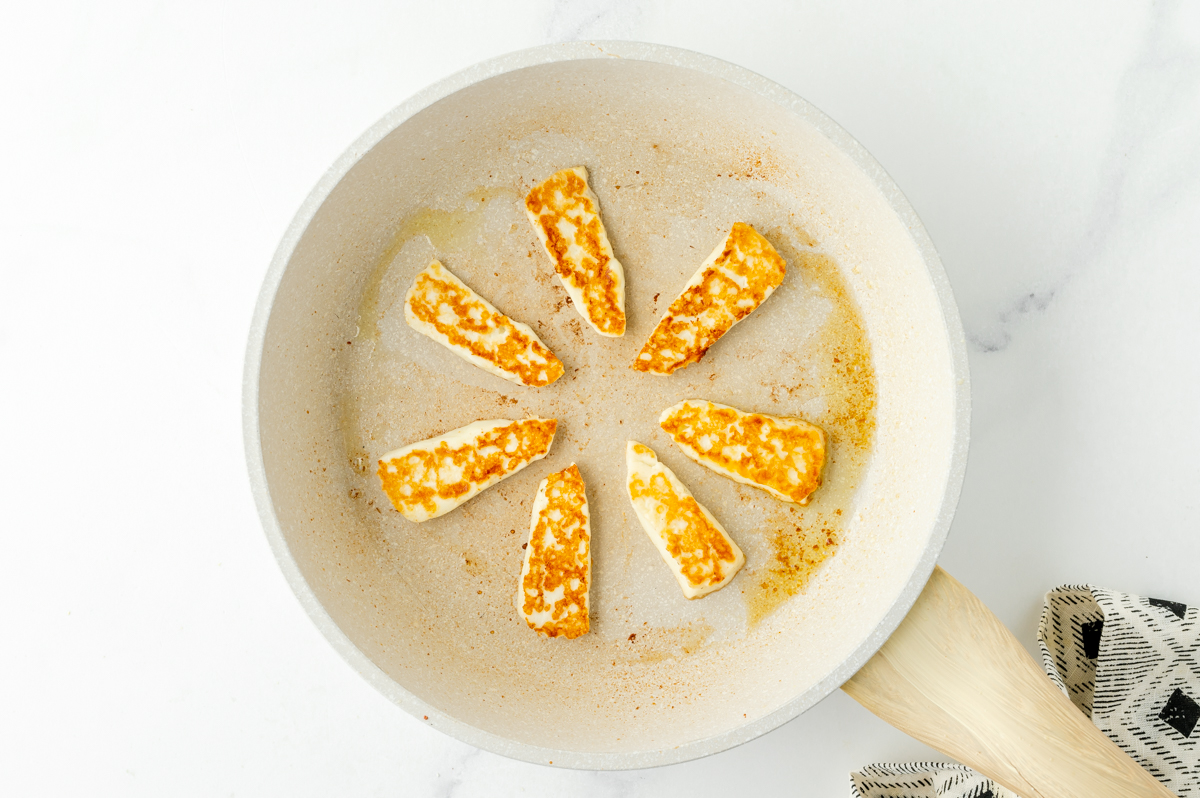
(783, 456)
(565, 214)
(691, 541)
(558, 558)
(442, 307)
(430, 478)
(737, 277)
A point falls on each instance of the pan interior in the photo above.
(854, 340)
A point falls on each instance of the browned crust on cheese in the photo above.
(554, 199)
(507, 356)
(563, 563)
(795, 474)
(709, 308)
(405, 479)
(701, 550)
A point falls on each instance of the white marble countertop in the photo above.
(154, 156)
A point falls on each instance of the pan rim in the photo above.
(575, 51)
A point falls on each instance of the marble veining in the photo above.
(575, 20)
(1144, 167)
(1053, 152)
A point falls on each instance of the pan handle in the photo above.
(955, 678)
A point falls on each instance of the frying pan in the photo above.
(862, 338)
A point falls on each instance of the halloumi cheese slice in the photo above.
(558, 558)
(694, 544)
(442, 307)
(565, 214)
(430, 478)
(783, 456)
(737, 277)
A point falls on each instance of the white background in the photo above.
(153, 154)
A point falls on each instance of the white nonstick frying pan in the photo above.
(863, 338)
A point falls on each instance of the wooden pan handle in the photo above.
(955, 678)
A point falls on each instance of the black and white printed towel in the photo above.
(1131, 664)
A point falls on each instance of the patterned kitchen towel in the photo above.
(1131, 664)
(924, 780)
